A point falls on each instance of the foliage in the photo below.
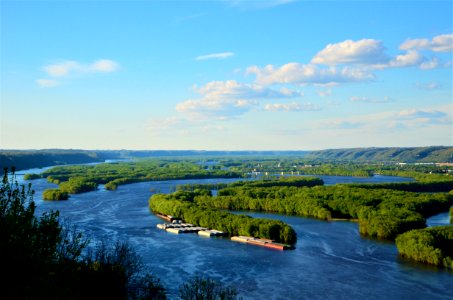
(430, 245)
(408, 155)
(381, 213)
(116, 272)
(76, 185)
(185, 205)
(41, 258)
(115, 174)
(26, 159)
(55, 194)
(429, 187)
(199, 288)
(32, 176)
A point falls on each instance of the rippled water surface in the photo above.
(331, 259)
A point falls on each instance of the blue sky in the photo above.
(226, 75)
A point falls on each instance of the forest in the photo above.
(83, 178)
(432, 246)
(381, 213)
(184, 205)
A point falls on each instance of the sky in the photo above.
(225, 75)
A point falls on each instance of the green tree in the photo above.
(41, 258)
(199, 288)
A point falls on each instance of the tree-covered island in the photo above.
(382, 211)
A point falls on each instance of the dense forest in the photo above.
(430, 245)
(184, 205)
(84, 178)
(381, 213)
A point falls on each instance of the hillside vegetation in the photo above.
(21, 160)
(408, 155)
(26, 159)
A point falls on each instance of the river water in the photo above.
(331, 259)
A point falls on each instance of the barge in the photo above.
(167, 217)
(261, 242)
(178, 227)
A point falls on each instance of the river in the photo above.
(331, 259)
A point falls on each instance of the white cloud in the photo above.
(222, 55)
(61, 69)
(235, 90)
(344, 124)
(410, 58)
(384, 121)
(294, 106)
(414, 114)
(430, 64)
(103, 66)
(225, 99)
(220, 109)
(386, 99)
(68, 67)
(295, 73)
(47, 83)
(440, 43)
(361, 52)
(428, 85)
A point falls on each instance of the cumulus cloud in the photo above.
(225, 99)
(361, 52)
(68, 67)
(410, 58)
(222, 55)
(235, 90)
(294, 106)
(47, 83)
(295, 73)
(440, 43)
(430, 64)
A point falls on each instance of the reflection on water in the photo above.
(331, 260)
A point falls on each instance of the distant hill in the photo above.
(435, 154)
(26, 159)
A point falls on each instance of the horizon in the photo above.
(226, 75)
(224, 150)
